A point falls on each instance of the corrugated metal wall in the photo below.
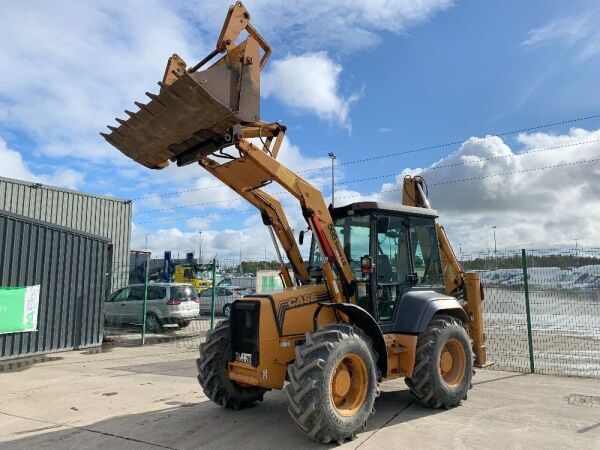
(70, 266)
(102, 216)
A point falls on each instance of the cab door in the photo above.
(393, 271)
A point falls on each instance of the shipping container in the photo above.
(71, 268)
(95, 214)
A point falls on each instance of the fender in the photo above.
(365, 321)
(416, 309)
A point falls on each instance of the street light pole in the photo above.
(576, 255)
(200, 247)
(495, 247)
(332, 156)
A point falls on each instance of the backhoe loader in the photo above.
(382, 295)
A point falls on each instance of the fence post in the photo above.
(145, 301)
(213, 289)
(528, 312)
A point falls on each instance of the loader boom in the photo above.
(254, 169)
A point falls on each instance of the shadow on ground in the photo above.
(183, 425)
(130, 335)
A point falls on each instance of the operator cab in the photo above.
(402, 246)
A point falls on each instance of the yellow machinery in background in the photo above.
(382, 295)
(188, 274)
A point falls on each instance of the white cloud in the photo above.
(67, 68)
(579, 31)
(547, 207)
(169, 233)
(199, 192)
(336, 25)
(309, 83)
(252, 240)
(14, 166)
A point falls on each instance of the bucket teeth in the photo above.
(184, 121)
(155, 98)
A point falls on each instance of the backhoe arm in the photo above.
(456, 281)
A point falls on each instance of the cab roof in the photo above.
(368, 207)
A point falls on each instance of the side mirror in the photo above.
(301, 237)
(413, 278)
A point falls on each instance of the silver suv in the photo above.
(167, 303)
(224, 297)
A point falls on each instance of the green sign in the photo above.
(19, 309)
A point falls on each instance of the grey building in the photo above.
(99, 215)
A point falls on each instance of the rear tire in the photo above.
(333, 383)
(213, 375)
(443, 365)
(227, 311)
(184, 323)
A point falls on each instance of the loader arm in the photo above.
(255, 168)
(456, 281)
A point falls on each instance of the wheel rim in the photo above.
(349, 385)
(453, 361)
(226, 310)
(152, 323)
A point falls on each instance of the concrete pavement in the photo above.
(133, 397)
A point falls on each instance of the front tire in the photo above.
(443, 365)
(213, 375)
(333, 383)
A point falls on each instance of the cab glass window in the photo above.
(425, 252)
(392, 267)
(355, 233)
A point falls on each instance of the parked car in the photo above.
(224, 297)
(167, 303)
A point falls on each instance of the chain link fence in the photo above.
(154, 301)
(541, 309)
(547, 322)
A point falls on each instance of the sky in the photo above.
(495, 104)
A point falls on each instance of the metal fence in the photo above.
(541, 309)
(146, 278)
(548, 322)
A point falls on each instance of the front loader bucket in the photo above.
(190, 116)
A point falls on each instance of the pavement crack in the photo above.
(408, 405)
